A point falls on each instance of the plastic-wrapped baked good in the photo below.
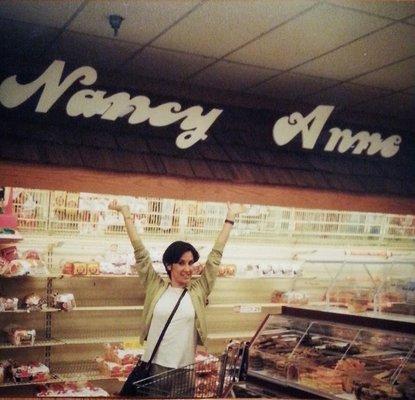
(18, 268)
(222, 270)
(71, 389)
(93, 268)
(128, 356)
(9, 253)
(19, 336)
(8, 303)
(110, 368)
(68, 268)
(31, 255)
(276, 296)
(80, 268)
(293, 297)
(33, 302)
(64, 301)
(230, 270)
(31, 372)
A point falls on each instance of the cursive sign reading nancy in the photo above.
(194, 124)
(88, 102)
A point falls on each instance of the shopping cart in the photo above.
(211, 378)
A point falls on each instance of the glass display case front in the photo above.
(333, 360)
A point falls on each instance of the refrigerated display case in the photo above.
(334, 360)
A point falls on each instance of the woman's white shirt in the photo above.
(178, 346)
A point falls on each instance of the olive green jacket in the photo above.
(198, 289)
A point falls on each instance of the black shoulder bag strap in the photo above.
(156, 347)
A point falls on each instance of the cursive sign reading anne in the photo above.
(88, 102)
(310, 127)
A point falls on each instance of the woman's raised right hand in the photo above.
(124, 209)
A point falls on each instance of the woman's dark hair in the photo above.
(175, 251)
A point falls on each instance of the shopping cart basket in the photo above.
(210, 378)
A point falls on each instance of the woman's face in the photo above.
(181, 272)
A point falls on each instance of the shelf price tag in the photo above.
(247, 309)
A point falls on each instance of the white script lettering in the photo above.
(286, 128)
(88, 102)
(310, 127)
(362, 141)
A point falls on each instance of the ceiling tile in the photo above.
(398, 104)
(143, 19)
(230, 76)
(92, 50)
(291, 86)
(165, 64)
(397, 76)
(346, 93)
(391, 9)
(53, 13)
(301, 39)
(24, 39)
(218, 27)
(372, 52)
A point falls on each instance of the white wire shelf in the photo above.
(83, 308)
(73, 372)
(52, 379)
(93, 375)
(101, 339)
(99, 276)
(61, 276)
(10, 237)
(23, 311)
(233, 305)
(231, 335)
(109, 308)
(38, 343)
(94, 338)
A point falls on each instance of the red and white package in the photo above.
(116, 353)
(9, 253)
(129, 356)
(127, 369)
(31, 372)
(110, 368)
(17, 268)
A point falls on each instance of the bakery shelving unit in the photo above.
(78, 227)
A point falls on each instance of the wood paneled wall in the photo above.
(83, 180)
